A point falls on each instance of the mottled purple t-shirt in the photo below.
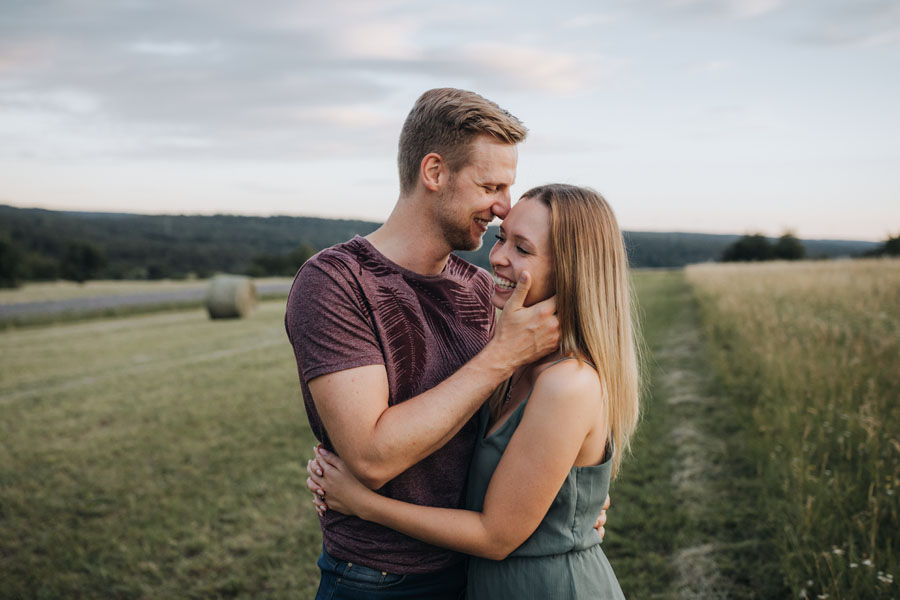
(350, 306)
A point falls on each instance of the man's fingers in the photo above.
(546, 307)
(518, 296)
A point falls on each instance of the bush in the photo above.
(10, 264)
(789, 247)
(81, 261)
(749, 248)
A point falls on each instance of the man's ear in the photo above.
(433, 172)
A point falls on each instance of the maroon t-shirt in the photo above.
(350, 306)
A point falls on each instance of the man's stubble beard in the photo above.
(456, 230)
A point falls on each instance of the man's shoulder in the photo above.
(345, 255)
(327, 272)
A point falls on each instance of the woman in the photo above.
(552, 438)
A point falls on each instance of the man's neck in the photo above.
(410, 239)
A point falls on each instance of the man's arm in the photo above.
(516, 501)
(378, 441)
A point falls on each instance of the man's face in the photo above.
(477, 193)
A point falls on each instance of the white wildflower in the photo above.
(867, 562)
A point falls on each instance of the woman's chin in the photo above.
(499, 300)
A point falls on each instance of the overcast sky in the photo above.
(690, 115)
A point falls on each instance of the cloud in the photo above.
(744, 9)
(229, 78)
(866, 23)
(525, 68)
(172, 49)
(589, 20)
(713, 9)
(711, 66)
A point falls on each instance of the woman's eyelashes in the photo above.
(501, 240)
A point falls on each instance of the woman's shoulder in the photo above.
(570, 381)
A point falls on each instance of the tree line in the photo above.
(41, 245)
(757, 247)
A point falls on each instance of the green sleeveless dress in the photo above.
(562, 558)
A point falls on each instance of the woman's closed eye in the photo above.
(501, 240)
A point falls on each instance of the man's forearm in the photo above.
(378, 441)
(407, 432)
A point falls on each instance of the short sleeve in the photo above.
(328, 322)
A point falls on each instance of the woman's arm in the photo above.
(560, 414)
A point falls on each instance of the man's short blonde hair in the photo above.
(445, 121)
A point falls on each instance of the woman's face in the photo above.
(523, 245)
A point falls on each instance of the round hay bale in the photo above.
(230, 297)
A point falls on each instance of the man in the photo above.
(397, 345)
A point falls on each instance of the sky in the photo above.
(730, 116)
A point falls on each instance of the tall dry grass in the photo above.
(814, 348)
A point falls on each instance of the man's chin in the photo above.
(469, 245)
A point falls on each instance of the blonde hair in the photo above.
(594, 301)
(445, 121)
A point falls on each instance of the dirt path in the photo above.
(684, 387)
(685, 521)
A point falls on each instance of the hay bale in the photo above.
(230, 297)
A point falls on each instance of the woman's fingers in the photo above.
(318, 495)
(315, 482)
(328, 459)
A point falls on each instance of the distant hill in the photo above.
(134, 246)
(648, 249)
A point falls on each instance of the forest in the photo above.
(41, 245)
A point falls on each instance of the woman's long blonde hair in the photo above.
(594, 301)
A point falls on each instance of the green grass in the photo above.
(156, 456)
(162, 455)
(685, 520)
(812, 350)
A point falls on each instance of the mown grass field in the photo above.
(66, 290)
(162, 455)
(154, 457)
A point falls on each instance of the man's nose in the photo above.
(501, 207)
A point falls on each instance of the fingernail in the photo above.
(320, 492)
(522, 277)
(319, 472)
